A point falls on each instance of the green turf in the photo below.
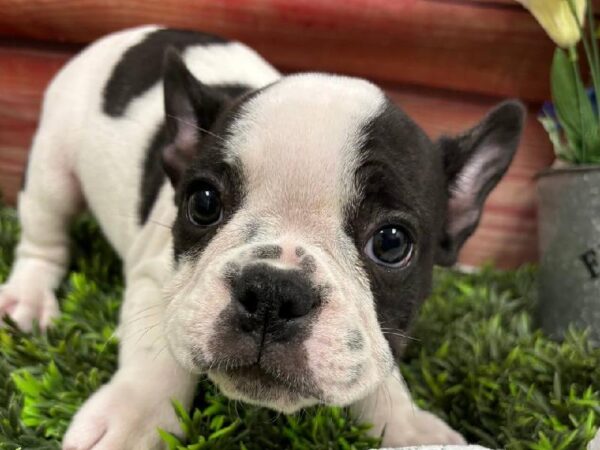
(478, 361)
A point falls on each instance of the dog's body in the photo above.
(308, 214)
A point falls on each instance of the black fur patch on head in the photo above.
(153, 174)
(141, 66)
(402, 182)
(300, 252)
(408, 181)
(210, 165)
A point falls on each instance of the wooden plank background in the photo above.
(446, 62)
(473, 46)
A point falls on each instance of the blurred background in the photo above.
(446, 62)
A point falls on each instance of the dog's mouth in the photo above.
(257, 384)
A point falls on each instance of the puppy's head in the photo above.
(310, 215)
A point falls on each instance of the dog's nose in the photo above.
(273, 299)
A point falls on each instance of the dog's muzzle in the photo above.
(273, 303)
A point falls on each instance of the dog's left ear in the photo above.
(191, 108)
(474, 162)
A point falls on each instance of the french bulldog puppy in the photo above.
(278, 232)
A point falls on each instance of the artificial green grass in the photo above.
(477, 360)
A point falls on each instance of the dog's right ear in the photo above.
(191, 109)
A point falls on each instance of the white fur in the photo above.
(298, 142)
(401, 422)
(305, 132)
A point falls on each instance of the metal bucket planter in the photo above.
(569, 242)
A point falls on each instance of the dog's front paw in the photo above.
(420, 428)
(24, 304)
(28, 294)
(122, 415)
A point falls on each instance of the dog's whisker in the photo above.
(155, 222)
(197, 127)
(402, 335)
(148, 308)
(150, 220)
(163, 348)
(156, 339)
(140, 333)
(138, 318)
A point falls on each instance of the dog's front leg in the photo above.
(125, 413)
(392, 412)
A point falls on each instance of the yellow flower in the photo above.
(557, 19)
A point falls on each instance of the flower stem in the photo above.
(591, 49)
(573, 58)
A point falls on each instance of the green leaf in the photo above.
(224, 431)
(171, 441)
(573, 107)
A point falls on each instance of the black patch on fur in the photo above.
(228, 179)
(402, 182)
(355, 340)
(308, 264)
(153, 175)
(300, 252)
(252, 230)
(356, 373)
(406, 180)
(267, 252)
(231, 90)
(323, 291)
(231, 272)
(141, 66)
(210, 165)
(139, 69)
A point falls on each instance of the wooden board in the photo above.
(24, 75)
(487, 47)
(507, 234)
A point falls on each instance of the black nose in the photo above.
(273, 299)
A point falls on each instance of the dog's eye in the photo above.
(390, 246)
(204, 206)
